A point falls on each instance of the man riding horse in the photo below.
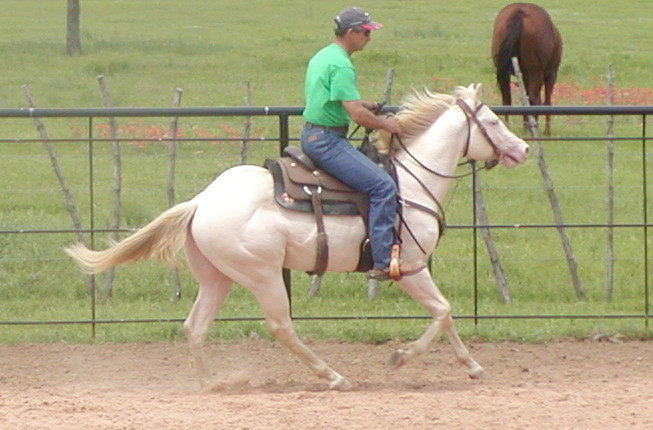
(332, 101)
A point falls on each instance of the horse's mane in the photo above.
(419, 110)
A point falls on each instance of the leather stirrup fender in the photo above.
(322, 256)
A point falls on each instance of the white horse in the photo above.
(234, 231)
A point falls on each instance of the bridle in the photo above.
(472, 118)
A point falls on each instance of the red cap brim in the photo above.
(371, 26)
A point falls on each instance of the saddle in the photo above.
(296, 179)
(300, 186)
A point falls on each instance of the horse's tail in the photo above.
(161, 240)
(509, 48)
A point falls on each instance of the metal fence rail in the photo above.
(283, 115)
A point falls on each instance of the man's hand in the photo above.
(359, 111)
(392, 124)
(371, 106)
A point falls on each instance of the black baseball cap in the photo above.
(356, 18)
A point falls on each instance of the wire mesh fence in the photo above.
(60, 187)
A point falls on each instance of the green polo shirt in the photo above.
(330, 79)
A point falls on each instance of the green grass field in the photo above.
(210, 50)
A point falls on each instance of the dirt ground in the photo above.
(557, 385)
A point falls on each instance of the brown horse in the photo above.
(525, 31)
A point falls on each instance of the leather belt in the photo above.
(342, 129)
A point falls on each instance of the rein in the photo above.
(376, 110)
(487, 166)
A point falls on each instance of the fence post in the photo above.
(116, 183)
(92, 285)
(284, 141)
(609, 257)
(647, 308)
(553, 198)
(68, 196)
(497, 268)
(172, 165)
(247, 125)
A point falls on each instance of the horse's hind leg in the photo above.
(549, 82)
(421, 288)
(213, 288)
(534, 91)
(274, 302)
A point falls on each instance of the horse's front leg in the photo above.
(421, 288)
(474, 370)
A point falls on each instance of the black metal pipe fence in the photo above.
(284, 114)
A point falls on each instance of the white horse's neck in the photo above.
(439, 149)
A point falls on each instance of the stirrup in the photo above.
(394, 267)
(397, 269)
(405, 269)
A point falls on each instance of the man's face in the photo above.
(360, 38)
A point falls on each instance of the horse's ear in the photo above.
(479, 91)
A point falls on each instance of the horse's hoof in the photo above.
(372, 288)
(398, 358)
(316, 282)
(340, 384)
(477, 373)
(237, 382)
(213, 386)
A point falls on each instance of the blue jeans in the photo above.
(331, 151)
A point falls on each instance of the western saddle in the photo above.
(300, 186)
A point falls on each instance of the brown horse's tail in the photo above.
(161, 240)
(509, 48)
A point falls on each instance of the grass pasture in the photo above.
(210, 49)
